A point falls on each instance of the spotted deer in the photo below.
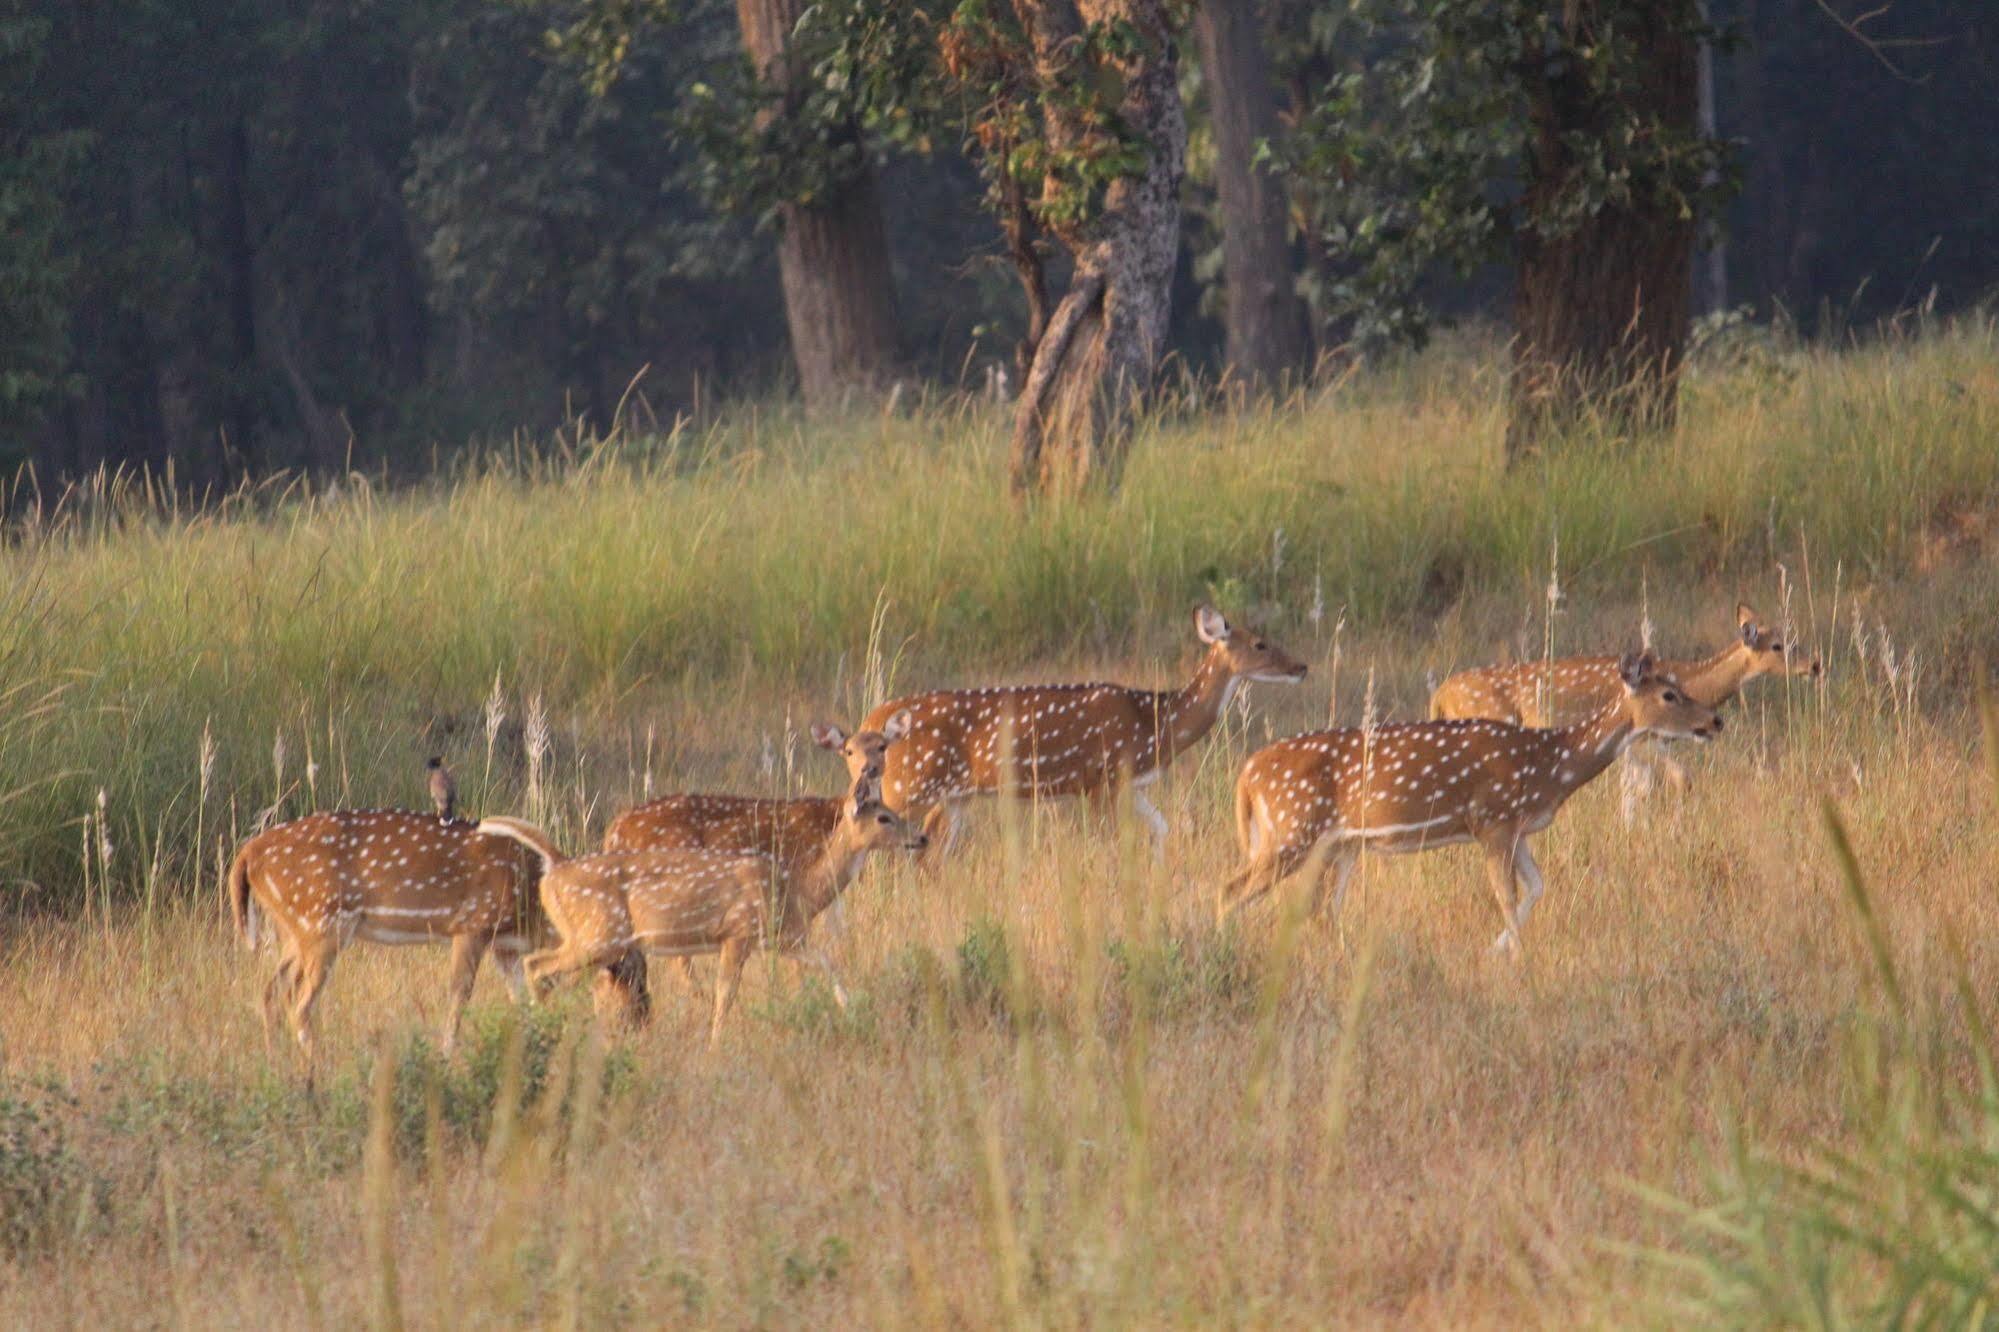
(790, 830)
(1549, 693)
(786, 829)
(384, 876)
(1405, 787)
(1067, 739)
(690, 901)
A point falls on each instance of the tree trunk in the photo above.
(1600, 311)
(1714, 254)
(1265, 318)
(839, 300)
(1072, 425)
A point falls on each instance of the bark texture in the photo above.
(839, 298)
(1264, 316)
(1104, 338)
(1600, 311)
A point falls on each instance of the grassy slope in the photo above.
(1161, 1135)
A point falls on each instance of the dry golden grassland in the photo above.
(1062, 1097)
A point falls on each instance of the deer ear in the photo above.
(1745, 620)
(1633, 667)
(898, 726)
(828, 736)
(1210, 625)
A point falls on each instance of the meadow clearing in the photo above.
(1741, 1076)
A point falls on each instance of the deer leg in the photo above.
(1153, 818)
(735, 952)
(278, 990)
(1499, 871)
(1253, 880)
(695, 988)
(818, 961)
(315, 965)
(1530, 877)
(507, 957)
(467, 951)
(620, 996)
(1339, 868)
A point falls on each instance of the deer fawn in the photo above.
(1414, 786)
(785, 829)
(688, 901)
(1065, 740)
(386, 876)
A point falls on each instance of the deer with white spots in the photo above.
(384, 876)
(1067, 740)
(1405, 787)
(690, 901)
(790, 830)
(787, 829)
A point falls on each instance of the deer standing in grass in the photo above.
(384, 876)
(1066, 740)
(1414, 786)
(788, 830)
(689, 901)
(1549, 693)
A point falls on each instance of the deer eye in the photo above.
(1673, 696)
(1261, 645)
(881, 818)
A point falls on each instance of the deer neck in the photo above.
(1591, 745)
(828, 874)
(1191, 713)
(1712, 681)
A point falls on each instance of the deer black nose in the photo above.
(919, 842)
(1717, 724)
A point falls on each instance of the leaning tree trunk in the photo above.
(1600, 311)
(839, 300)
(1096, 359)
(1265, 318)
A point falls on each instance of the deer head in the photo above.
(1658, 706)
(1244, 651)
(863, 751)
(1768, 653)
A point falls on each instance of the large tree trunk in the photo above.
(1265, 318)
(1104, 339)
(839, 300)
(1600, 311)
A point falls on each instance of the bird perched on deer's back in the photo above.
(443, 790)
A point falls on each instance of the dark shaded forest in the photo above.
(240, 236)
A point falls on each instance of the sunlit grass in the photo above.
(1062, 1097)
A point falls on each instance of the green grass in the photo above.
(824, 560)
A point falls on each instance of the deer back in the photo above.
(790, 830)
(398, 872)
(1061, 739)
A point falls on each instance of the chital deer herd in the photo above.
(730, 875)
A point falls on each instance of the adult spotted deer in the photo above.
(789, 830)
(689, 901)
(1550, 693)
(384, 876)
(1414, 786)
(1066, 740)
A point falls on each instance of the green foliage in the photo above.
(42, 1181)
(985, 967)
(569, 221)
(1451, 128)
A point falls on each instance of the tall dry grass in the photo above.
(1062, 1097)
